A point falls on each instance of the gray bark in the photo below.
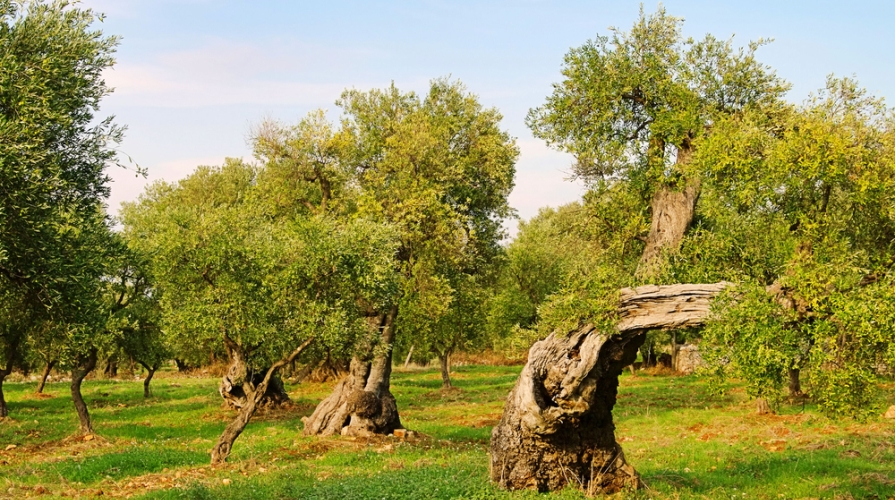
(255, 394)
(557, 427)
(362, 404)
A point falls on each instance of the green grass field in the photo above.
(686, 442)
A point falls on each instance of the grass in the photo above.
(685, 441)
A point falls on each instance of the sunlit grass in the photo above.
(684, 440)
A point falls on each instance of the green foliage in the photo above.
(802, 199)
(436, 169)
(226, 269)
(629, 96)
(54, 235)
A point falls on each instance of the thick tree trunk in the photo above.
(255, 395)
(445, 360)
(84, 365)
(239, 373)
(672, 214)
(361, 404)
(46, 374)
(557, 427)
(795, 384)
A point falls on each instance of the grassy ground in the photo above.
(685, 442)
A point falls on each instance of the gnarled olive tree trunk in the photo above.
(361, 404)
(255, 394)
(239, 373)
(557, 427)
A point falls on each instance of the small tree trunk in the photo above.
(4, 411)
(150, 371)
(83, 366)
(409, 355)
(673, 350)
(445, 360)
(361, 404)
(795, 385)
(255, 394)
(762, 407)
(43, 379)
(222, 448)
(111, 370)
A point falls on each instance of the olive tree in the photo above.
(633, 108)
(53, 151)
(437, 169)
(264, 287)
(802, 215)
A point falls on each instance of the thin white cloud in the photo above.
(221, 72)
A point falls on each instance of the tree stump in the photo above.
(557, 427)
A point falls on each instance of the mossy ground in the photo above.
(685, 441)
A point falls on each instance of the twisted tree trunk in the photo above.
(557, 427)
(255, 393)
(83, 366)
(150, 371)
(233, 383)
(361, 404)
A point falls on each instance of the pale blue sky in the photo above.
(193, 76)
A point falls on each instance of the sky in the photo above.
(193, 77)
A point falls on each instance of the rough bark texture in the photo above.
(672, 214)
(239, 373)
(361, 404)
(256, 393)
(46, 374)
(84, 365)
(669, 306)
(557, 427)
